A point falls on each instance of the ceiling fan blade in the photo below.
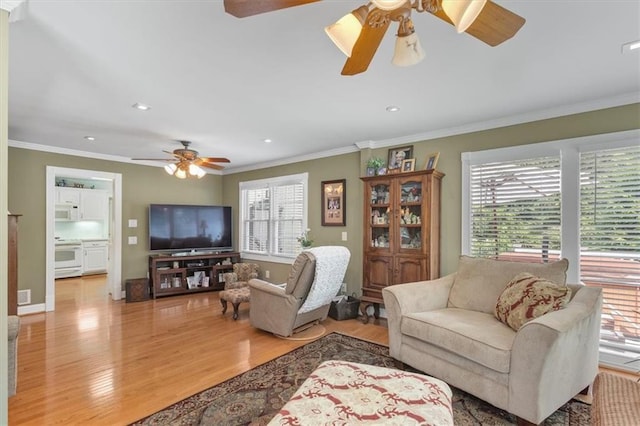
(494, 25)
(173, 153)
(153, 159)
(212, 166)
(365, 47)
(244, 8)
(215, 160)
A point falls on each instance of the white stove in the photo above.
(68, 258)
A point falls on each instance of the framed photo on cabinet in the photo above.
(334, 206)
(408, 165)
(432, 161)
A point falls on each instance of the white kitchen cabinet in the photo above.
(96, 257)
(94, 204)
(68, 196)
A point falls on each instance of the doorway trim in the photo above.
(114, 271)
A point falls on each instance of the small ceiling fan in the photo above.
(187, 163)
(359, 33)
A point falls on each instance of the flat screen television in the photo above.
(177, 227)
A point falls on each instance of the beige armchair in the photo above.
(447, 328)
(314, 280)
(242, 273)
(12, 376)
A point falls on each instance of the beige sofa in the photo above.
(447, 329)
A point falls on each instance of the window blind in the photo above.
(273, 215)
(515, 209)
(610, 240)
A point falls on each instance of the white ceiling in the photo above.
(76, 67)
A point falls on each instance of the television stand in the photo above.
(183, 273)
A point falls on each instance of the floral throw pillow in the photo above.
(527, 297)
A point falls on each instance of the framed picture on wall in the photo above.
(398, 155)
(334, 206)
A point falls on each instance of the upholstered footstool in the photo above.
(340, 392)
(235, 296)
(616, 401)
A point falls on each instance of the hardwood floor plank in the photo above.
(99, 362)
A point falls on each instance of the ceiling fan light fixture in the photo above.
(408, 50)
(462, 12)
(388, 4)
(345, 32)
(194, 170)
(180, 173)
(170, 169)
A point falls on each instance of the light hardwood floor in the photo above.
(98, 362)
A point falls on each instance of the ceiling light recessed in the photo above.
(90, 138)
(141, 107)
(631, 46)
(267, 140)
(393, 108)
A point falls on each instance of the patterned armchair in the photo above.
(242, 273)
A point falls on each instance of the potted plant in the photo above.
(373, 165)
(304, 239)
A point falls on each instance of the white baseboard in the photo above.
(31, 309)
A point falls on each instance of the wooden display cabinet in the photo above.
(180, 274)
(401, 232)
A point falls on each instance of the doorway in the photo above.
(113, 182)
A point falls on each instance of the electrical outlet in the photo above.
(266, 274)
(344, 236)
(132, 240)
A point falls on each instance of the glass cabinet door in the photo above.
(410, 214)
(380, 215)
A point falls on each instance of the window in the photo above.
(273, 214)
(515, 209)
(610, 241)
(577, 198)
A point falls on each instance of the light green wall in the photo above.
(331, 168)
(141, 186)
(450, 148)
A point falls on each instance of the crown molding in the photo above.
(296, 159)
(365, 145)
(92, 155)
(9, 5)
(564, 110)
(549, 113)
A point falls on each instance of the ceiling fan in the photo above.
(186, 162)
(359, 33)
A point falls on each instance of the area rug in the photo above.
(254, 397)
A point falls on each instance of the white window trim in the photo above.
(263, 183)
